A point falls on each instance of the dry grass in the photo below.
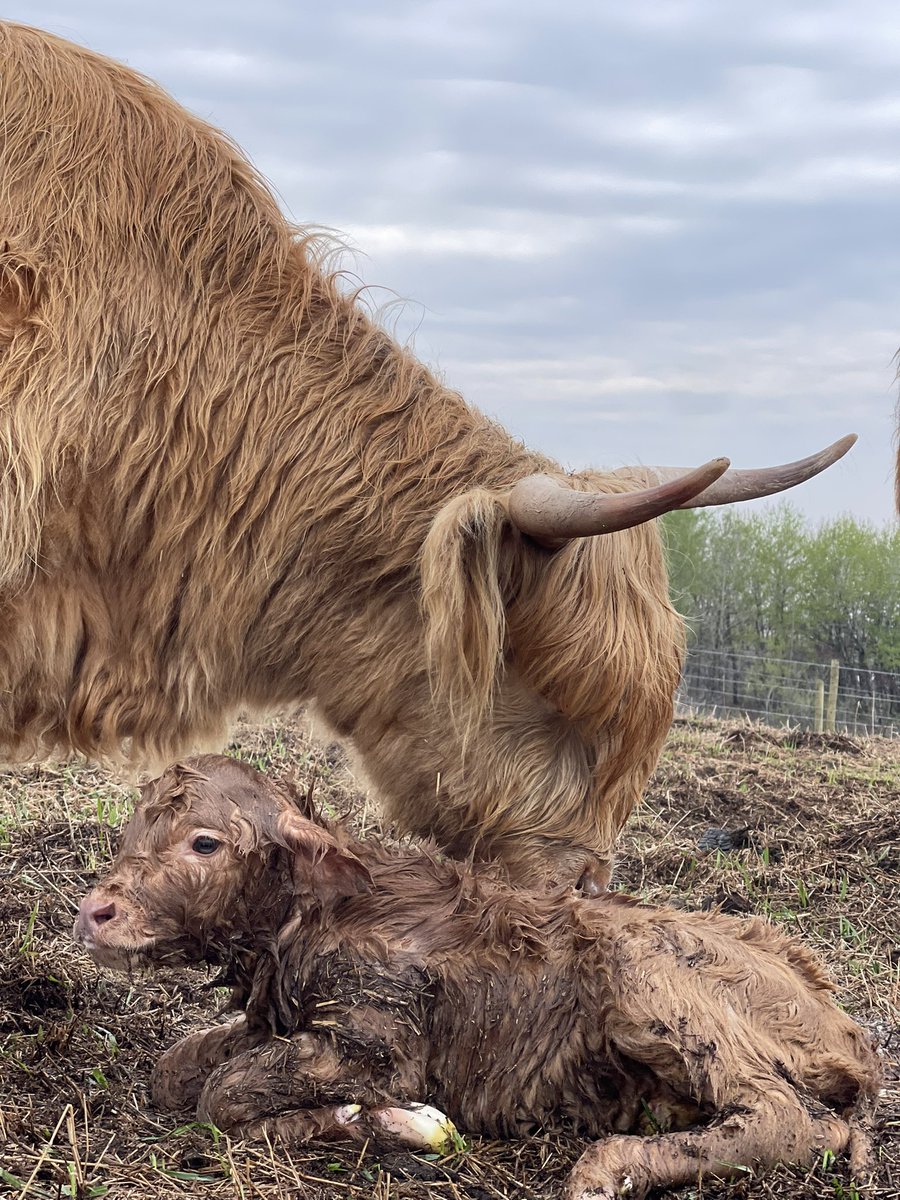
(820, 853)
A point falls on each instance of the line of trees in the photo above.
(769, 585)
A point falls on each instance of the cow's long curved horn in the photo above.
(738, 485)
(552, 514)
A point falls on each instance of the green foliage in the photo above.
(770, 601)
(767, 583)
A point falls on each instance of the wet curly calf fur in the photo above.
(679, 1043)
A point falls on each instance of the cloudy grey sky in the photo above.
(645, 230)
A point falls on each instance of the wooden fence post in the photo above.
(832, 695)
(820, 705)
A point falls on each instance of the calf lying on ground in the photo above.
(373, 977)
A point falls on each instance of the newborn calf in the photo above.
(372, 977)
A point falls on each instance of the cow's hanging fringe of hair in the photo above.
(492, 598)
(463, 604)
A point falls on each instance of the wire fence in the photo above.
(781, 691)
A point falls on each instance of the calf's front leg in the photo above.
(299, 1089)
(180, 1074)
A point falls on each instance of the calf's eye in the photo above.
(204, 844)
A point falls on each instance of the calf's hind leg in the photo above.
(779, 1128)
(297, 1090)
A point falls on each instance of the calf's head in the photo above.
(214, 858)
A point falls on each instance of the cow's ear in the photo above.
(323, 871)
(19, 291)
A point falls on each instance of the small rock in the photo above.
(715, 839)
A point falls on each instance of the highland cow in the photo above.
(225, 488)
(371, 978)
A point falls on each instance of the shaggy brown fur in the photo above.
(378, 976)
(224, 487)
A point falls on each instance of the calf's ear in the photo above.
(322, 869)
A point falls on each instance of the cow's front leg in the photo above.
(300, 1089)
(180, 1074)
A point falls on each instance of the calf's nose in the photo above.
(91, 915)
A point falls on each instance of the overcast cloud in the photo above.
(656, 231)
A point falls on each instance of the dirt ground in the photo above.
(814, 827)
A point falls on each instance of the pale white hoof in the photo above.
(418, 1127)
